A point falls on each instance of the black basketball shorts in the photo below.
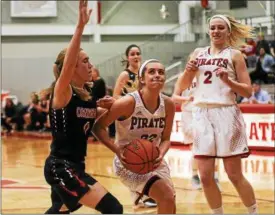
(68, 181)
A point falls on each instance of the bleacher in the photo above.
(30, 44)
(270, 88)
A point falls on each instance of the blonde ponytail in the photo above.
(83, 93)
(239, 32)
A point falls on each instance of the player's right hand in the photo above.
(158, 160)
(106, 102)
(191, 66)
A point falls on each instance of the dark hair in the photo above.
(123, 62)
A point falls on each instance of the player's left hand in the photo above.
(223, 75)
(158, 160)
(84, 13)
(105, 102)
(120, 154)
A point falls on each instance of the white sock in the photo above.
(253, 209)
(216, 175)
(218, 210)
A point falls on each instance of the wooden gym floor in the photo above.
(25, 191)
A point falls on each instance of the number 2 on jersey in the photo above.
(208, 75)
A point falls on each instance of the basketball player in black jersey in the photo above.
(72, 114)
(127, 82)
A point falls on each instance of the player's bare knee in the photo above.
(207, 179)
(168, 198)
(235, 177)
(109, 205)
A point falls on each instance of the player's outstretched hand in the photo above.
(84, 13)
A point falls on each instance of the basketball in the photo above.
(140, 154)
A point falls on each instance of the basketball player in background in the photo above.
(185, 99)
(219, 129)
(156, 111)
(72, 114)
(127, 82)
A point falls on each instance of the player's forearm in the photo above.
(71, 56)
(242, 89)
(118, 89)
(164, 147)
(116, 97)
(187, 79)
(102, 135)
(179, 99)
(74, 46)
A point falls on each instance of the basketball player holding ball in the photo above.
(127, 82)
(219, 128)
(134, 114)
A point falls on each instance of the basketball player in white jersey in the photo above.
(219, 129)
(127, 82)
(185, 98)
(156, 112)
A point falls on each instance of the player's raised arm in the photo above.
(71, 56)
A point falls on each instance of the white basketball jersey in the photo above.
(142, 123)
(188, 105)
(210, 88)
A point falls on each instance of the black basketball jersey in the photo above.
(71, 127)
(131, 84)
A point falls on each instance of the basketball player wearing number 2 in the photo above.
(219, 129)
(145, 113)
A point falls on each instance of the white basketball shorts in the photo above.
(135, 182)
(187, 128)
(219, 132)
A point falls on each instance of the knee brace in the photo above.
(109, 205)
